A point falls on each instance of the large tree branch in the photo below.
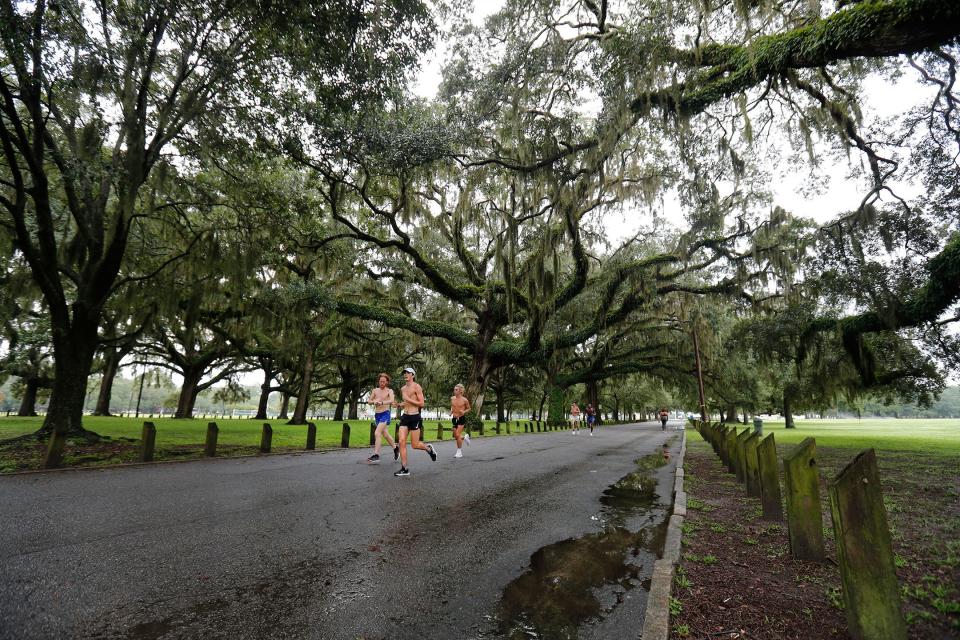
(867, 29)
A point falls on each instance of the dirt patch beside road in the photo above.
(736, 578)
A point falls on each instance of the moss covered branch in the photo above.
(867, 29)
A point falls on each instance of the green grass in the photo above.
(935, 436)
(172, 432)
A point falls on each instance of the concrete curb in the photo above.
(656, 622)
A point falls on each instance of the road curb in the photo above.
(656, 622)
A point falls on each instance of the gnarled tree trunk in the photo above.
(111, 366)
(28, 404)
(303, 398)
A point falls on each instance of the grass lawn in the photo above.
(179, 439)
(934, 436)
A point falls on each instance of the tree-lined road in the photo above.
(308, 545)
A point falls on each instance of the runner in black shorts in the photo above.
(459, 405)
(410, 421)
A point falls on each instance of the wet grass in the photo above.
(184, 439)
(940, 436)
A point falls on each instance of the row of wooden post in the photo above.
(864, 549)
(148, 439)
(149, 436)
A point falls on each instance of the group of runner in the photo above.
(575, 414)
(411, 420)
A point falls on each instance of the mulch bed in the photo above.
(736, 578)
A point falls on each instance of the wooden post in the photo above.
(769, 479)
(730, 446)
(148, 439)
(345, 436)
(741, 466)
(752, 468)
(496, 427)
(373, 433)
(440, 431)
(481, 428)
(802, 484)
(508, 427)
(210, 449)
(266, 438)
(311, 436)
(865, 552)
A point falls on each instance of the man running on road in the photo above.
(574, 417)
(382, 400)
(591, 416)
(459, 405)
(411, 402)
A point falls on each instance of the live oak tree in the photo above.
(95, 96)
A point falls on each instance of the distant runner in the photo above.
(664, 414)
(459, 405)
(591, 416)
(410, 422)
(382, 400)
(574, 418)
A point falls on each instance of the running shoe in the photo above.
(591, 434)
(458, 454)
(374, 459)
(431, 452)
(466, 437)
(404, 472)
(396, 453)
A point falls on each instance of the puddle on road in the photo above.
(573, 582)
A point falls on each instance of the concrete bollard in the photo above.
(865, 552)
(770, 495)
(752, 469)
(266, 438)
(148, 439)
(345, 436)
(210, 448)
(373, 433)
(311, 436)
(802, 485)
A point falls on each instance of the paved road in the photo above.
(324, 546)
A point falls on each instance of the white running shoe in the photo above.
(458, 454)
(591, 434)
(466, 437)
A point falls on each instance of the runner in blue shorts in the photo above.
(382, 400)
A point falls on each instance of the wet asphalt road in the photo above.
(316, 545)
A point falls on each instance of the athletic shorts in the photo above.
(383, 416)
(574, 418)
(591, 419)
(411, 421)
(459, 422)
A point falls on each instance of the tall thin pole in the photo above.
(140, 395)
(703, 403)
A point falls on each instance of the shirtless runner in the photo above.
(411, 402)
(382, 400)
(459, 405)
(574, 418)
